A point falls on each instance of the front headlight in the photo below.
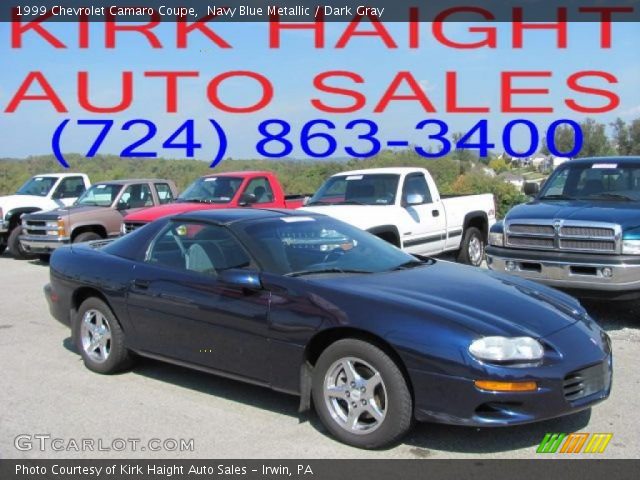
(496, 239)
(631, 247)
(503, 349)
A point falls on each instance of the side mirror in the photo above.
(236, 277)
(247, 199)
(414, 199)
(531, 188)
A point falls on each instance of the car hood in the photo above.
(153, 213)
(66, 211)
(624, 214)
(482, 301)
(361, 216)
(9, 202)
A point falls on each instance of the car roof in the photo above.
(133, 180)
(60, 175)
(227, 216)
(387, 170)
(589, 160)
(240, 173)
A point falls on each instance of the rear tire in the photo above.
(86, 237)
(472, 247)
(361, 395)
(15, 248)
(99, 338)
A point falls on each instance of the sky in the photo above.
(291, 70)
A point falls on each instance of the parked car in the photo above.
(404, 207)
(222, 190)
(581, 232)
(39, 193)
(97, 214)
(308, 305)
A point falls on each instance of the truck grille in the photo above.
(585, 382)
(37, 227)
(131, 226)
(563, 236)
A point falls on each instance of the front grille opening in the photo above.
(497, 409)
(530, 267)
(592, 271)
(585, 382)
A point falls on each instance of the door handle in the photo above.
(141, 284)
(435, 213)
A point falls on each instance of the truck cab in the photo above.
(404, 207)
(580, 233)
(246, 189)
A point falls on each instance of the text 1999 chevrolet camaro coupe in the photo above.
(308, 305)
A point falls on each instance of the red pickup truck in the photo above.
(222, 190)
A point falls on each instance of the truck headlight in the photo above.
(504, 349)
(631, 247)
(496, 239)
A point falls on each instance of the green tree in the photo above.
(621, 138)
(595, 140)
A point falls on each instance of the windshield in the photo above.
(211, 190)
(370, 189)
(297, 245)
(38, 186)
(602, 180)
(101, 195)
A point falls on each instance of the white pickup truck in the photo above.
(39, 193)
(403, 206)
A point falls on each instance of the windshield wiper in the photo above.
(613, 196)
(300, 273)
(557, 197)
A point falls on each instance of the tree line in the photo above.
(458, 173)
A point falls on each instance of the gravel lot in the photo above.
(46, 390)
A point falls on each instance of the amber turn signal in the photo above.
(506, 386)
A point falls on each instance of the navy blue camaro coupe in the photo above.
(302, 303)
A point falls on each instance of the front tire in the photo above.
(15, 248)
(472, 247)
(99, 338)
(361, 395)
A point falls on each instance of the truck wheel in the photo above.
(361, 395)
(100, 340)
(15, 248)
(86, 237)
(472, 247)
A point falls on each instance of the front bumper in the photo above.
(457, 401)
(42, 243)
(569, 271)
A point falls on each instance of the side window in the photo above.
(195, 247)
(164, 193)
(70, 187)
(416, 184)
(136, 196)
(558, 185)
(261, 188)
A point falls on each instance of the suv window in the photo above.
(416, 184)
(198, 248)
(70, 187)
(261, 189)
(136, 196)
(165, 195)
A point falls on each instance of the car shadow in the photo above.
(423, 438)
(614, 315)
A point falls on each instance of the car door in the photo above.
(423, 220)
(180, 310)
(261, 192)
(68, 190)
